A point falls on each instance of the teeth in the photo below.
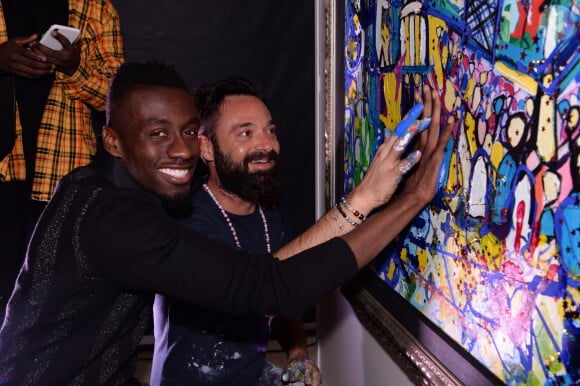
(261, 161)
(177, 173)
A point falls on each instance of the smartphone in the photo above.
(49, 41)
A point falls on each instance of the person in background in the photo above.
(108, 240)
(47, 98)
(236, 205)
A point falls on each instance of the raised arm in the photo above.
(137, 246)
(383, 177)
(368, 239)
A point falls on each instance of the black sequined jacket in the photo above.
(100, 251)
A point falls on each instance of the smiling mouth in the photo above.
(262, 164)
(262, 160)
(178, 175)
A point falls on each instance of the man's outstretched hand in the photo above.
(389, 167)
(422, 180)
(419, 186)
(418, 171)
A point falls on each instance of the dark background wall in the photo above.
(268, 42)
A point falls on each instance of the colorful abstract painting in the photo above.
(494, 261)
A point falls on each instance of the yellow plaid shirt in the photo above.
(66, 139)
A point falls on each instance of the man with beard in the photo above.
(236, 205)
(105, 243)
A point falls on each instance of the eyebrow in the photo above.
(155, 121)
(247, 124)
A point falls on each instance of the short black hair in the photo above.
(209, 99)
(134, 74)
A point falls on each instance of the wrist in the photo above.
(421, 196)
(361, 202)
(411, 201)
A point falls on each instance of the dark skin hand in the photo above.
(16, 57)
(27, 58)
(66, 60)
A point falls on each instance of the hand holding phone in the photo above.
(51, 42)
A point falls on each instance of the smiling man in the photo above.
(161, 152)
(105, 244)
(234, 204)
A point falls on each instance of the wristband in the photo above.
(357, 214)
(348, 219)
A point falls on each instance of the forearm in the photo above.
(164, 258)
(370, 238)
(381, 181)
(240, 284)
(332, 224)
(101, 55)
(323, 230)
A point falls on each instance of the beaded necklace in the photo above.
(231, 226)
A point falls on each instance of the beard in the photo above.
(259, 187)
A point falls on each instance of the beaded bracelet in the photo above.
(347, 205)
(336, 219)
(346, 217)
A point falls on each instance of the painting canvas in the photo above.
(494, 260)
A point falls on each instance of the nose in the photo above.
(267, 142)
(183, 147)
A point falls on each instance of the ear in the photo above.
(111, 142)
(206, 148)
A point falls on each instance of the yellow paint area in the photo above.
(469, 126)
(436, 27)
(392, 91)
(546, 140)
(391, 270)
(492, 249)
(497, 154)
(423, 259)
(524, 81)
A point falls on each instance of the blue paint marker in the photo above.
(409, 119)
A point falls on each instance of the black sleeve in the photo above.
(131, 240)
